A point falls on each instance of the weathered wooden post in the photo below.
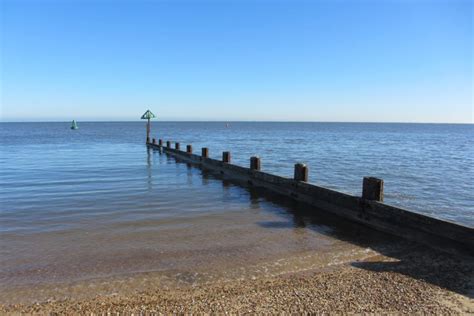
(168, 144)
(372, 189)
(301, 172)
(226, 156)
(205, 152)
(189, 149)
(255, 163)
(148, 116)
(176, 146)
(154, 141)
(160, 142)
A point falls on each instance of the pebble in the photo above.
(424, 283)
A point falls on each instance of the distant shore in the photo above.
(418, 281)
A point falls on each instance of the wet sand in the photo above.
(410, 280)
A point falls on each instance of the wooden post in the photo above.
(148, 128)
(255, 163)
(154, 141)
(189, 149)
(226, 156)
(205, 152)
(372, 189)
(176, 146)
(168, 144)
(301, 172)
(160, 142)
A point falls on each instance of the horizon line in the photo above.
(233, 121)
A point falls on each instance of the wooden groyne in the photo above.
(367, 209)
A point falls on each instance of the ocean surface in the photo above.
(94, 202)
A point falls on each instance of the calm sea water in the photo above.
(95, 202)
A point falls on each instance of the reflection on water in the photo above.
(183, 222)
(79, 207)
(148, 168)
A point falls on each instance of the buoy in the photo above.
(74, 125)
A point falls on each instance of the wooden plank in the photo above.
(434, 232)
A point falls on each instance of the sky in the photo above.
(355, 61)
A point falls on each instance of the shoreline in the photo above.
(417, 280)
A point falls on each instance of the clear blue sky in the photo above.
(388, 61)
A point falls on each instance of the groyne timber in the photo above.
(367, 209)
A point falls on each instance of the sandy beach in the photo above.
(416, 280)
(236, 157)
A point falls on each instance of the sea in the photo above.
(78, 207)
